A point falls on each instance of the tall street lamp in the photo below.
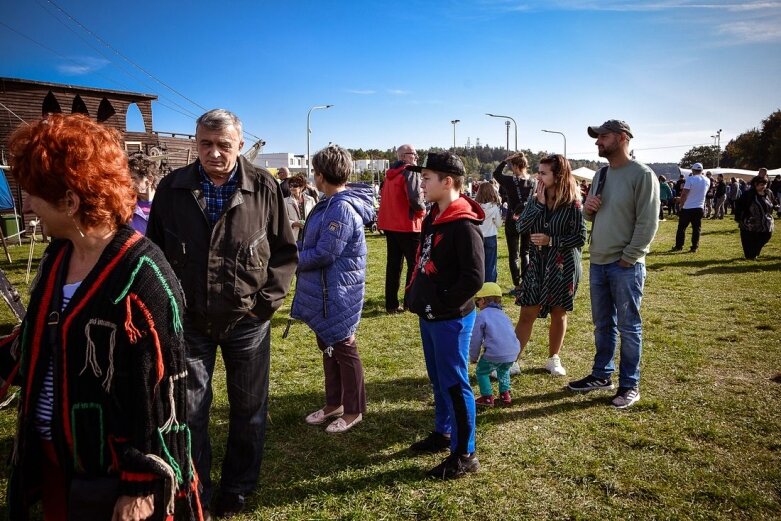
(718, 148)
(308, 136)
(454, 133)
(514, 123)
(562, 135)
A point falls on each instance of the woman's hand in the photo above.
(540, 192)
(132, 508)
(540, 239)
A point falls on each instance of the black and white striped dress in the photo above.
(554, 270)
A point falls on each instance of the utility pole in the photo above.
(718, 148)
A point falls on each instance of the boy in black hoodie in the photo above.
(448, 272)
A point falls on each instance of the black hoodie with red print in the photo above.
(450, 265)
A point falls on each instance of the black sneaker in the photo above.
(455, 466)
(434, 442)
(590, 383)
(228, 504)
(626, 397)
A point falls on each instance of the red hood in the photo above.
(395, 171)
(461, 208)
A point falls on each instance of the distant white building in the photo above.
(374, 165)
(295, 162)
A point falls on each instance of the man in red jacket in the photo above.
(401, 213)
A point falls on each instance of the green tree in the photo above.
(705, 155)
(770, 141)
(744, 151)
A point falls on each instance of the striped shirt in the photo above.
(217, 196)
(45, 405)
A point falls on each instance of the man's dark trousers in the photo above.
(693, 216)
(400, 246)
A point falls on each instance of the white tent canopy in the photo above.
(583, 173)
(746, 175)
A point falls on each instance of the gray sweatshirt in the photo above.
(628, 219)
(494, 330)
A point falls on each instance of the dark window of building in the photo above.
(50, 105)
(105, 110)
(134, 121)
(78, 106)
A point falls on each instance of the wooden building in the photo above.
(26, 101)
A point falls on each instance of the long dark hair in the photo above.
(566, 188)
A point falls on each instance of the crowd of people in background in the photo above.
(211, 255)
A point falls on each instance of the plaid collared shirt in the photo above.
(217, 196)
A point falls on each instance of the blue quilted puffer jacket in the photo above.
(332, 264)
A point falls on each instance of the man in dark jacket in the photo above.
(401, 213)
(222, 224)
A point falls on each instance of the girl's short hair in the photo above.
(72, 152)
(334, 163)
(142, 166)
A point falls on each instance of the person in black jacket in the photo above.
(517, 187)
(447, 274)
(222, 224)
(754, 214)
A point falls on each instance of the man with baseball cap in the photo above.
(692, 208)
(623, 204)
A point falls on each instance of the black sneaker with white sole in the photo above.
(590, 383)
(626, 397)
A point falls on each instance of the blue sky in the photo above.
(399, 72)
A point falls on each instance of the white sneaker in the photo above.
(554, 367)
(515, 369)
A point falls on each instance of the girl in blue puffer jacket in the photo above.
(330, 285)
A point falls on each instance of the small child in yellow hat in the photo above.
(495, 335)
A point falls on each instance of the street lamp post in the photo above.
(562, 135)
(508, 128)
(454, 133)
(718, 148)
(308, 135)
(507, 124)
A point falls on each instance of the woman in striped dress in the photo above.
(554, 218)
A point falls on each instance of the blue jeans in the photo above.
(446, 350)
(246, 354)
(489, 245)
(616, 294)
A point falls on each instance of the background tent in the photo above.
(738, 173)
(583, 173)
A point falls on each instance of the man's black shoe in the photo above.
(434, 442)
(395, 311)
(693, 249)
(676, 248)
(455, 466)
(228, 504)
(590, 383)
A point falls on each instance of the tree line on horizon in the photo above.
(751, 150)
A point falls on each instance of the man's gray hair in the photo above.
(218, 119)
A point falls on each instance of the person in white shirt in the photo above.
(488, 199)
(692, 208)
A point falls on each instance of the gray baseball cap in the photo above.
(611, 125)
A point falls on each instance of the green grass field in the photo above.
(704, 442)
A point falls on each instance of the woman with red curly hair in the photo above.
(102, 430)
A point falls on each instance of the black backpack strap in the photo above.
(601, 181)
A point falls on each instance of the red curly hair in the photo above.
(72, 152)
